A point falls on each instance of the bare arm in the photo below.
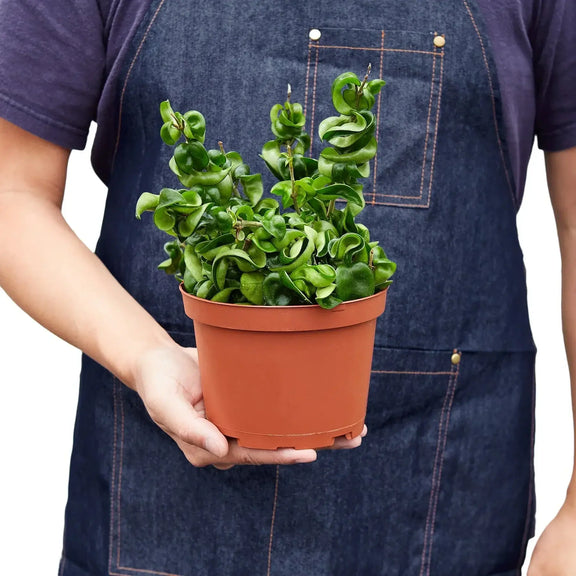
(555, 552)
(561, 173)
(63, 284)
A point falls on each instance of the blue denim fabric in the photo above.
(443, 484)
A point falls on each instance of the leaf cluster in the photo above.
(231, 244)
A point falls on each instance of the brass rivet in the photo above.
(315, 34)
(456, 358)
(439, 41)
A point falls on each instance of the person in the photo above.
(443, 483)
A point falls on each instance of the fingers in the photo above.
(245, 456)
(286, 456)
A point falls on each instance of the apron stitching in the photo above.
(425, 142)
(437, 472)
(531, 487)
(493, 102)
(314, 98)
(119, 402)
(433, 525)
(120, 463)
(378, 116)
(307, 79)
(113, 482)
(427, 127)
(432, 162)
(412, 373)
(141, 570)
(116, 145)
(273, 519)
(377, 49)
(401, 205)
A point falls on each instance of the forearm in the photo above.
(561, 174)
(567, 236)
(56, 279)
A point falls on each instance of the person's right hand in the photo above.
(168, 381)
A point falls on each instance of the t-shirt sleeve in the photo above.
(52, 63)
(554, 42)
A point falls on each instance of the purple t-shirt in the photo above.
(59, 62)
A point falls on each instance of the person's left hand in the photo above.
(555, 551)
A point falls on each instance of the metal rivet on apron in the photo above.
(315, 34)
(456, 358)
(439, 41)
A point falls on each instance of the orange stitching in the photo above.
(437, 471)
(314, 101)
(307, 79)
(427, 125)
(113, 482)
(128, 77)
(433, 163)
(493, 102)
(400, 205)
(144, 571)
(118, 400)
(273, 518)
(410, 51)
(120, 464)
(374, 49)
(413, 373)
(449, 412)
(378, 118)
(531, 488)
(434, 473)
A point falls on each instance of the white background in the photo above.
(39, 374)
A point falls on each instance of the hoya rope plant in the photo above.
(232, 244)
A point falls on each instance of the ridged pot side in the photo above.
(295, 376)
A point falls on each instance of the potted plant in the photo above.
(284, 295)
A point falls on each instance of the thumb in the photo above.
(175, 415)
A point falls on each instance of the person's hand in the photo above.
(168, 381)
(555, 551)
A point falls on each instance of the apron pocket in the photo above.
(407, 108)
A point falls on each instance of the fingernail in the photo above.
(213, 446)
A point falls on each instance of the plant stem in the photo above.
(293, 195)
(247, 224)
(371, 259)
(235, 190)
(360, 90)
(331, 206)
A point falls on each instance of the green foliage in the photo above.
(230, 244)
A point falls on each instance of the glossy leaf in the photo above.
(195, 126)
(251, 285)
(252, 186)
(353, 282)
(193, 263)
(191, 156)
(146, 203)
(275, 225)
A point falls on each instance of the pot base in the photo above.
(297, 441)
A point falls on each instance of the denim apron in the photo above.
(443, 483)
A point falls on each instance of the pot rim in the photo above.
(306, 317)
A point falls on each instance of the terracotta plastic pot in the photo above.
(285, 377)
